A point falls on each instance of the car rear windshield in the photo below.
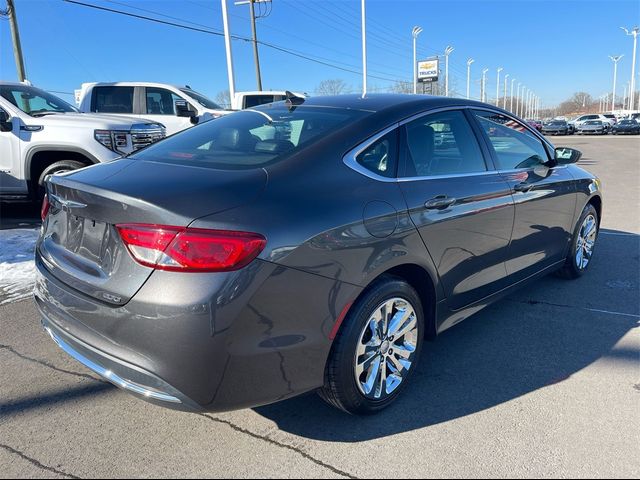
(250, 138)
(628, 122)
(557, 123)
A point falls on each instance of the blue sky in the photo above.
(555, 47)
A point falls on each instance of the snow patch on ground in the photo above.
(17, 269)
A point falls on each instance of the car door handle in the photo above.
(439, 203)
(523, 187)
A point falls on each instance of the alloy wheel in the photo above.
(386, 349)
(586, 241)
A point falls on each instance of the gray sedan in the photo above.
(304, 245)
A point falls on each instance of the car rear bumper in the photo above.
(194, 342)
(123, 375)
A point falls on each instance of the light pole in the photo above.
(524, 89)
(498, 88)
(633, 33)
(414, 33)
(615, 61)
(517, 99)
(513, 80)
(227, 44)
(469, 62)
(483, 85)
(364, 51)
(504, 101)
(447, 52)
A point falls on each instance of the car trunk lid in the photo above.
(80, 244)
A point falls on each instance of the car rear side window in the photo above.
(256, 100)
(250, 138)
(514, 145)
(441, 144)
(112, 100)
(381, 157)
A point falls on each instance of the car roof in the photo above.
(380, 102)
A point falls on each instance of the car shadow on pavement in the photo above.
(533, 339)
(51, 399)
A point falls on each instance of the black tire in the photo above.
(571, 269)
(340, 388)
(57, 167)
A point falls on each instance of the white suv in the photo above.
(177, 108)
(41, 134)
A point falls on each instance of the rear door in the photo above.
(113, 99)
(545, 198)
(461, 206)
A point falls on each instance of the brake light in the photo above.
(181, 249)
(44, 209)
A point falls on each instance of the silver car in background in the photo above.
(593, 127)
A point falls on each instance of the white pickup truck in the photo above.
(177, 108)
(40, 134)
(242, 100)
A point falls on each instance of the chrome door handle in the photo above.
(439, 203)
(523, 187)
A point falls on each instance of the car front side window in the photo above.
(441, 144)
(514, 145)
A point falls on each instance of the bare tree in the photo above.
(401, 86)
(334, 86)
(223, 98)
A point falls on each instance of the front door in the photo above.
(159, 106)
(545, 197)
(460, 204)
(11, 176)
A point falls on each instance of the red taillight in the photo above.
(190, 249)
(44, 210)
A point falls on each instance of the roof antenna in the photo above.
(292, 100)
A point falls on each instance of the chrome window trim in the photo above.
(350, 158)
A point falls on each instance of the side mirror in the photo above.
(6, 125)
(182, 110)
(566, 155)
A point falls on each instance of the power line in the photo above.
(211, 31)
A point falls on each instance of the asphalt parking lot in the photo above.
(545, 383)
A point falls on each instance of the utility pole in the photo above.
(498, 88)
(227, 45)
(256, 58)
(15, 36)
(504, 100)
(469, 62)
(414, 33)
(254, 36)
(513, 80)
(483, 85)
(364, 50)
(447, 52)
(615, 61)
(633, 33)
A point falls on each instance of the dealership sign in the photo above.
(428, 70)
